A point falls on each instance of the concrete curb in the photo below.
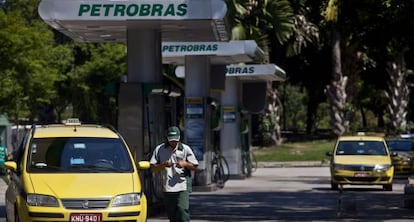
(322, 163)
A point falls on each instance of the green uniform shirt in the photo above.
(3, 155)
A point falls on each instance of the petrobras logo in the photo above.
(133, 10)
(232, 70)
(183, 48)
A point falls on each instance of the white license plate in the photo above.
(86, 217)
(361, 174)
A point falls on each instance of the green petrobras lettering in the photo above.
(201, 48)
(119, 10)
(145, 10)
(95, 11)
(181, 9)
(190, 48)
(132, 10)
(170, 11)
(108, 8)
(156, 10)
(84, 8)
(213, 47)
(251, 69)
(169, 48)
(240, 70)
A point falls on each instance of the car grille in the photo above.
(360, 168)
(85, 203)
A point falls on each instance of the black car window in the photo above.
(400, 145)
(361, 148)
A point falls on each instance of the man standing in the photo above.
(175, 160)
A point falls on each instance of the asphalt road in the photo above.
(291, 194)
(297, 194)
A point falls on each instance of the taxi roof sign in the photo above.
(72, 122)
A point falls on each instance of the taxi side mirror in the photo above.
(143, 165)
(329, 153)
(394, 153)
(10, 165)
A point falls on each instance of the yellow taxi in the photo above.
(74, 172)
(361, 160)
(403, 158)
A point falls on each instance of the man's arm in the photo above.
(186, 164)
(160, 166)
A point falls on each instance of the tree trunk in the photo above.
(274, 111)
(312, 109)
(363, 117)
(398, 94)
(336, 90)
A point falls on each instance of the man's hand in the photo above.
(161, 166)
(181, 164)
(167, 164)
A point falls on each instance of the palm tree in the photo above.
(336, 90)
(257, 20)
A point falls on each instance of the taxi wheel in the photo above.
(334, 186)
(387, 187)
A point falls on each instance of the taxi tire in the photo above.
(387, 187)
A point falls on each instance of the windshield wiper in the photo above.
(40, 166)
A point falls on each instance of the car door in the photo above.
(14, 180)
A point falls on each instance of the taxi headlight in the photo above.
(41, 200)
(381, 167)
(127, 200)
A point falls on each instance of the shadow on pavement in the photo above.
(299, 206)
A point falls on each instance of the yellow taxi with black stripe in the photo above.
(361, 160)
(74, 172)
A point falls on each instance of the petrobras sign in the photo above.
(269, 72)
(244, 70)
(132, 9)
(177, 49)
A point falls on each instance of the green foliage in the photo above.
(322, 116)
(89, 81)
(28, 72)
(294, 105)
(298, 151)
(265, 129)
(257, 19)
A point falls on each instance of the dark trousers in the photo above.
(177, 206)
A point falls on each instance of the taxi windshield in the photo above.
(400, 145)
(361, 148)
(73, 155)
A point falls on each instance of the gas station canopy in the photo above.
(264, 72)
(109, 20)
(242, 51)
